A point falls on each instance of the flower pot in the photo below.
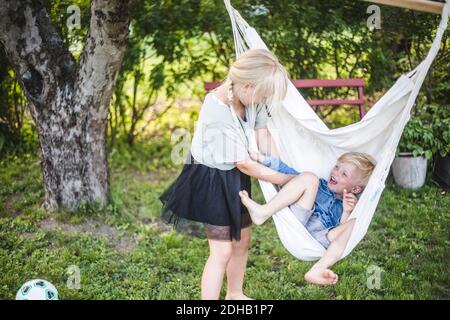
(409, 172)
(442, 170)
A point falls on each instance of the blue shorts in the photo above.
(312, 223)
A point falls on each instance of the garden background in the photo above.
(121, 247)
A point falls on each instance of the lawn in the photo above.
(126, 252)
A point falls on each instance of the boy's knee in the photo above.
(332, 235)
(310, 178)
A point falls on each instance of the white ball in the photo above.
(37, 289)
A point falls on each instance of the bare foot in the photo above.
(240, 296)
(324, 277)
(257, 212)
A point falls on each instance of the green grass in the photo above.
(408, 239)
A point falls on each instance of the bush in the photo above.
(417, 139)
(440, 122)
(428, 133)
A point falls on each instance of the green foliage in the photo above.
(176, 46)
(417, 138)
(428, 132)
(59, 15)
(440, 121)
(335, 43)
(13, 148)
(12, 103)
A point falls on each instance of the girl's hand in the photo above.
(349, 201)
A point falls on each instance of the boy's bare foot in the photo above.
(322, 276)
(240, 296)
(256, 210)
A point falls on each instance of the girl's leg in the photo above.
(219, 255)
(320, 272)
(236, 266)
(301, 189)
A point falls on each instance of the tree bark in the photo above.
(68, 100)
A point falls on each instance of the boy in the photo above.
(322, 206)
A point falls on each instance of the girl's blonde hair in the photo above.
(364, 162)
(261, 68)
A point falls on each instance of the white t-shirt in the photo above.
(218, 142)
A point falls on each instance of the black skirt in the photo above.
(208, 196)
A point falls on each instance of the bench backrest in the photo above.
(359, 84)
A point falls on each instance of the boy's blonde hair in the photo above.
(364, 162)
(261, 68)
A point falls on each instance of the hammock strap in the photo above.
(419, 73)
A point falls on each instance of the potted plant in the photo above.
(415, 149)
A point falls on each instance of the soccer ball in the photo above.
(37, 289)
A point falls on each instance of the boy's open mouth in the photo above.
(333, 180)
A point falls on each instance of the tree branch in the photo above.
(34, 48)
(104, 50)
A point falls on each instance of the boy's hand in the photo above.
(349, 201)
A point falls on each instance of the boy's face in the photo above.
(345, 175)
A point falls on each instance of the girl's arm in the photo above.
(265, 142)
(259, 171)
(267, 146)
(276, 164)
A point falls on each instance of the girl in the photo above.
(219, 166)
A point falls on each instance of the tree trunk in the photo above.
(68, 101)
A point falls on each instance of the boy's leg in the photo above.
(301, 189)
(334, 233)
(236, 267)
(320, 272)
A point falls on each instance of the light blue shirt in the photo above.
(219, 142)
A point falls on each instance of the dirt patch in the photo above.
(121, 243)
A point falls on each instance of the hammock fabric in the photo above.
(312, 146)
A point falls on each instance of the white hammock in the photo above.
(312, 146)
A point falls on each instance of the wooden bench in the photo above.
(359, 84)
